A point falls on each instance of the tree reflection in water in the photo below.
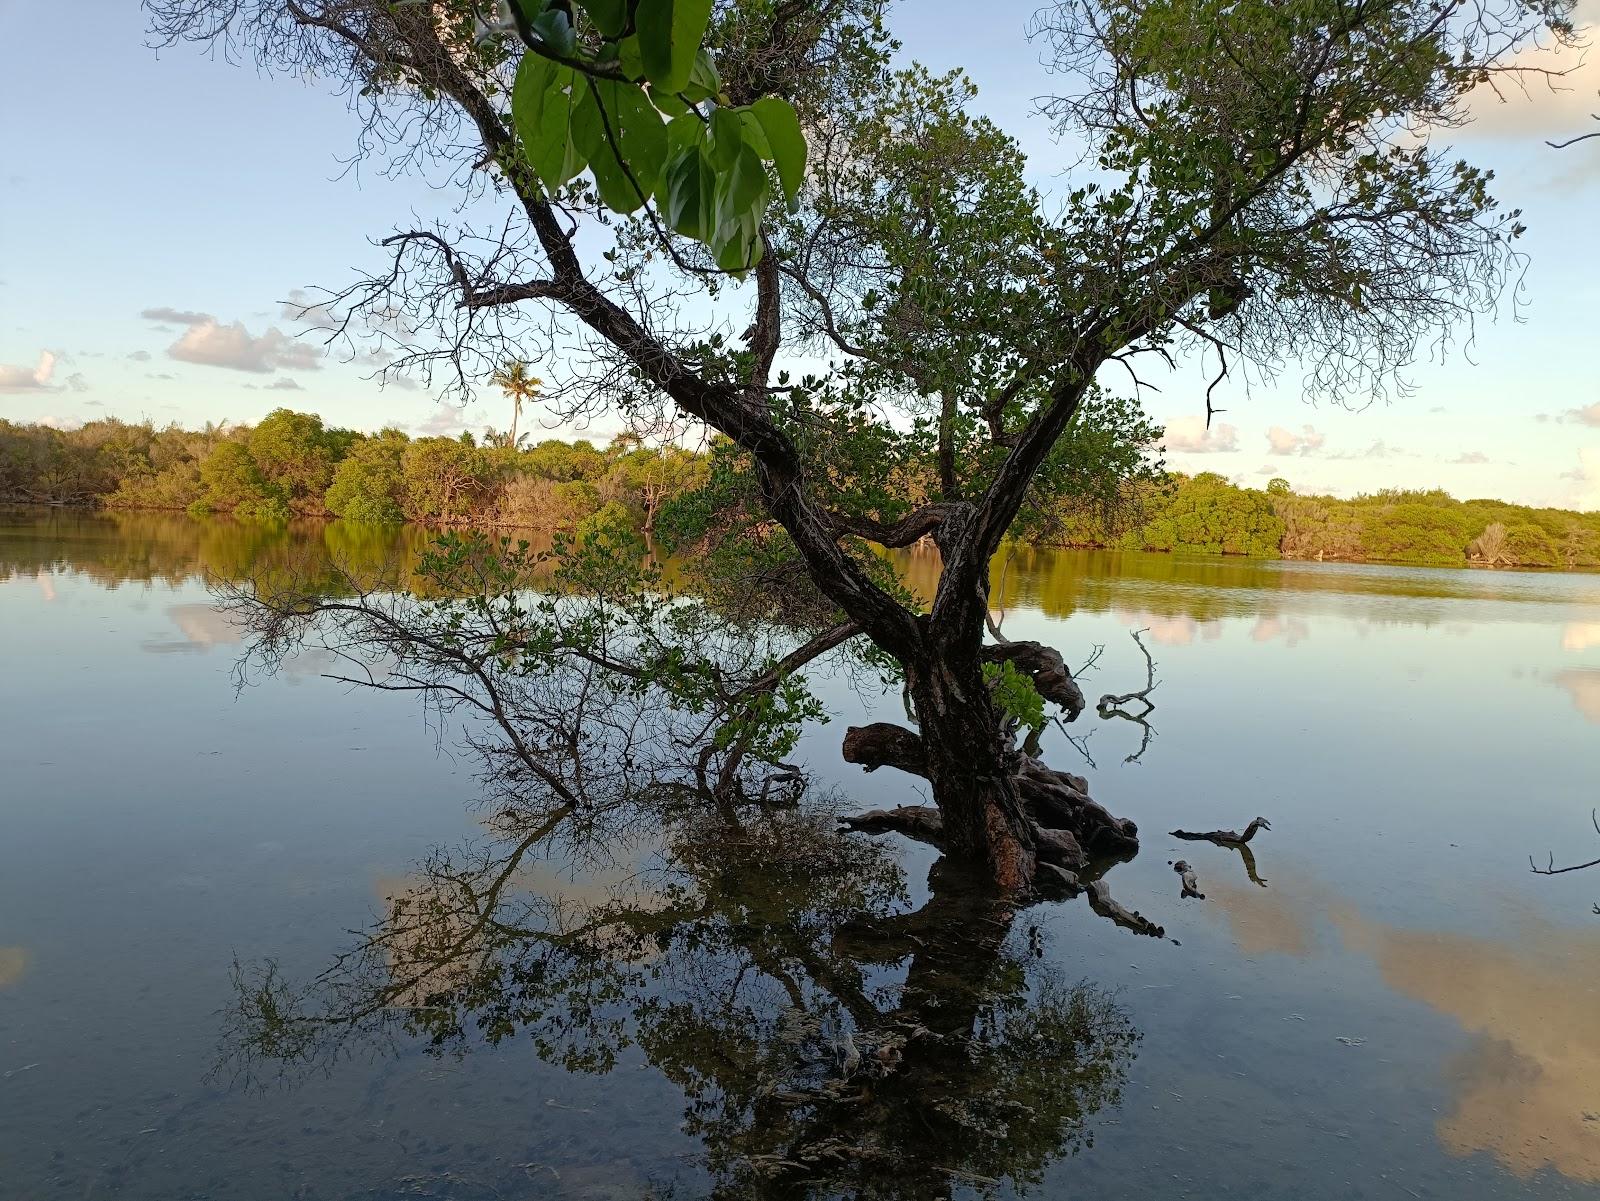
(830, 1035)
(829, 1038)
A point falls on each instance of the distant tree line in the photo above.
(1206, 514)
(292, 465)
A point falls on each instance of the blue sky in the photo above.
(194, 189)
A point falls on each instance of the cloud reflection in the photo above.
(1583, 684)
(1580, 635)
(14, 963)
(1528, 1090)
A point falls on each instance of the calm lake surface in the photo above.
(1402, 1010)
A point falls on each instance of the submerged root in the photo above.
(1065, 830)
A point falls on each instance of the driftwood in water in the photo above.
(1226, 838)
(922, 822)
(1191, 885)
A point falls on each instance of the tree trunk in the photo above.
(967, 761)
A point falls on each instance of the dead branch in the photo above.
(1115, 701)
(1225, 838)
(1582, 137)
(1552, 870)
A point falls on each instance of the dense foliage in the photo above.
(1205, 514)
(292, 465)
(1101, 488)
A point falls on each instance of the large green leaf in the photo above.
(635, 128)
(784, 139)
(741, 189)
(554, 116)
(670, 33)
(609, 16)
(727, 139)
(689, 192)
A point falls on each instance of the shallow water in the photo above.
(1403, 1008)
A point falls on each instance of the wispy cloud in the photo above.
(445, 422)
(1471, 456)
(1189, 435)
(210, 343)
(1281, 441)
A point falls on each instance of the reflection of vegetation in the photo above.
(828, 1041)
(828, 1038)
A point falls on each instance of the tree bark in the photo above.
(967, 761)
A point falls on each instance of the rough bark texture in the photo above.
(1046, 668)
(995, 803)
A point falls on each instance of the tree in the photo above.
(230, 482)
(296, 456)
(520, 386)
(443, 478)
(1270, 185)
(370, 485)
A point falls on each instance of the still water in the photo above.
(1399, 1008)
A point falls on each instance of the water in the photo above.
(1402, 1010)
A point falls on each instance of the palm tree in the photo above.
(513, 379)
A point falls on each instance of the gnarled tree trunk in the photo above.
(968, 761)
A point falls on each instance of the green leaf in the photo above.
(704, 81)
(554, 116)
(628, 56)
(787, 143)
(689, 192)
(727, 139)
(741, 189)
(670, 33)
(755, 135)
(636, 129)
(610, 17)
(555, 30)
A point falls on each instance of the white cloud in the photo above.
(1588, 415)
(1471, 456)
(1548, 107)
(1378, 450)
(1189, 435)
(140, 356)
(28, 379)
(445, 422)
(211, 344)
(1587, 477)
(1281, 441)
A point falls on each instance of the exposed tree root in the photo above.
(1226, 838)
(1068, 829)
